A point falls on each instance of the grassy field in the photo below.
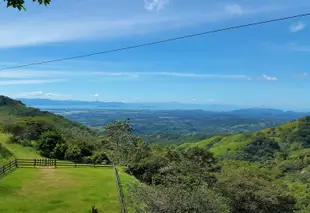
(59, 191)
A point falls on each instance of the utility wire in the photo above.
(160, 41)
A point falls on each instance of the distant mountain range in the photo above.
(72, 104)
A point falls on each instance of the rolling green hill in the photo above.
(289, 139)
(51, 135)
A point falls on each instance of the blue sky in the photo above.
(265, 65)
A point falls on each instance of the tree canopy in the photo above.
(19, 4)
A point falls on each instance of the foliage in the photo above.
(260, 149)
(48, 142)
(19, 4)
(249, 191)
(73, 153)
(176, 199)
(30, 127)
(100, 157)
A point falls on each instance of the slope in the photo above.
(286, 140)
(9, 151)
(52, 135)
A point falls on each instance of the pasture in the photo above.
(60, 190)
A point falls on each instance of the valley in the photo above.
(249, 171)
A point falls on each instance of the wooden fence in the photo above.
(53, 163)
(120, 190)
(8, 167)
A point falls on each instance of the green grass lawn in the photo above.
(59, 190)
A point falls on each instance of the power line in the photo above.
(159, 42)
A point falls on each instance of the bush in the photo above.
(60, 151)
(99, 158)
(73, 153)
(47, 143)
(158, 199)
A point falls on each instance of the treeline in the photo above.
(53, 142)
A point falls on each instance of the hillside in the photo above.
(9, 151)
(51, 135)
(285, 140)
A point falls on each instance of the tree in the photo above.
(250, 191)
(19, 4)
(192, 167)
(118, 134)
(159, 199)
(73, 153)
(48, 142)
(14, 129)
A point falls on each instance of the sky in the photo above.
(261, 66)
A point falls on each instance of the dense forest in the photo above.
(259, 172)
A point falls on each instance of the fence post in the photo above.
(3, 170)
(35, 162)
(16, 165)
(55, 162)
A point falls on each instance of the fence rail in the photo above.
(25, 163)
(8, 167)
(119, 190)
(48, 163)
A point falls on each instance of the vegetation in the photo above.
(251, 172)
(258, 172)
(19, 4)
(52, 136)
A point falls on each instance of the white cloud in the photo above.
(234, 9)
(297, 27)
(49, 94)
(26, 74)
(155, 5)
(269, 78)
(36, 93)
(55, 27)
(41, 94)
(32, 81)
(198, 75)
(95, 95)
